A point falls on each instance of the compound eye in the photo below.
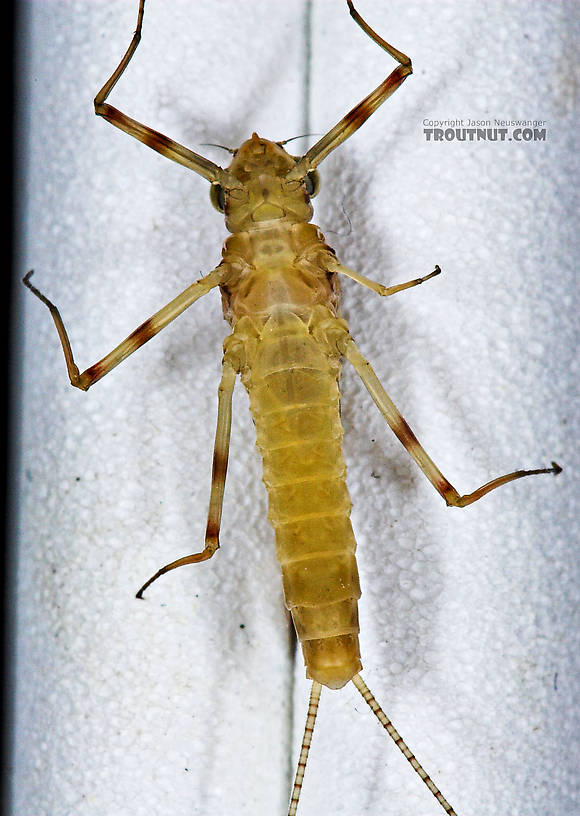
(217, 196)
(312, 183)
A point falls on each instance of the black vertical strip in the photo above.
(307, 70)
(14, 31)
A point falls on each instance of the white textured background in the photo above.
(468, 629)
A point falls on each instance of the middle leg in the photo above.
(380, 288)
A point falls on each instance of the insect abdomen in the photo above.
(295, 403)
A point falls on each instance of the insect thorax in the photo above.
(286, 265)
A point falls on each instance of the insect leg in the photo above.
(218, 477)
(152, 138)
(400, 743)
(136, 339)
(361, 112)
(380, 288)
(404, 433)
(306, 740)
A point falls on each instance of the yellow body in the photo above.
(281, 297)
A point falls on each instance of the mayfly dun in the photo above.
(279, 282)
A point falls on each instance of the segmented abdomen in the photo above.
(294, 397)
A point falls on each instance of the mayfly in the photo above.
(279, 285)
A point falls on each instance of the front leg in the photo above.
(152, 138)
